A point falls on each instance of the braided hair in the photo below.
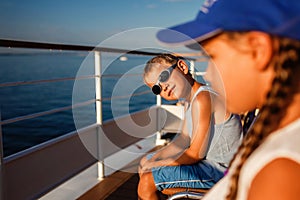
(286, 61)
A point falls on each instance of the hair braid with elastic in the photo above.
(286, 65)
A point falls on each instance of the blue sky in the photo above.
(88, 22)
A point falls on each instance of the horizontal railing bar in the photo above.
(126, 96)
(39, 114)
(52, 46)
(199, 73)
(119, 75)
(18, 83)
(8, 84)
(45, 144)
(48, 112)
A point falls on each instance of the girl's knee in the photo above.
(143, 160)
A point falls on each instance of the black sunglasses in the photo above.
(163, 77)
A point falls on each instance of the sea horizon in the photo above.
(25, 99)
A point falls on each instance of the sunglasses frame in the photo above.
(156, 88)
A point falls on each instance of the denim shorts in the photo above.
(203, 174)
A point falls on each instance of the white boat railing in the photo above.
(31, 173)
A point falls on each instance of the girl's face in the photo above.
(231, 73)
(174, 88)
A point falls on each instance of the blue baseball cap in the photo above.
(277, 17)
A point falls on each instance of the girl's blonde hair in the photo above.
(286, 61)
(161, 58)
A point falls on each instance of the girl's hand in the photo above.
(146, 167)
(150, 164)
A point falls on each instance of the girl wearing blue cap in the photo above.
(209, 138)
(255, 47)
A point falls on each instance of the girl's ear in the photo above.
(262, 48)
(183, 66)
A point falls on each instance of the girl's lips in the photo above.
(171, 91)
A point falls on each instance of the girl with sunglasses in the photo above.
(199, 155)
(255, 46)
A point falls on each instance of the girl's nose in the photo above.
(164, 86)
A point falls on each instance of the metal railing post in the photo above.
(99, 120)
(158, 100)
(158, 123)
(192, 68)
(1, 162)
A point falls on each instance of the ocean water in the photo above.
(121, 79)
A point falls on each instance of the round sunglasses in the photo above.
(163, 77)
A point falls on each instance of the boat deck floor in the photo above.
(119, 185)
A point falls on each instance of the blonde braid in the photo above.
(286, 66)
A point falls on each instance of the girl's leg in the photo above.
(146, 188)
(142, 161)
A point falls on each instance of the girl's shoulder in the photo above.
(206, 88)
(283, 143)
(203, 89)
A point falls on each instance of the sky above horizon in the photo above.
(90, 22)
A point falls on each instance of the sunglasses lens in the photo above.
(156, 89)
(164, 76)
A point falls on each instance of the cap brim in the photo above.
(187, 33)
